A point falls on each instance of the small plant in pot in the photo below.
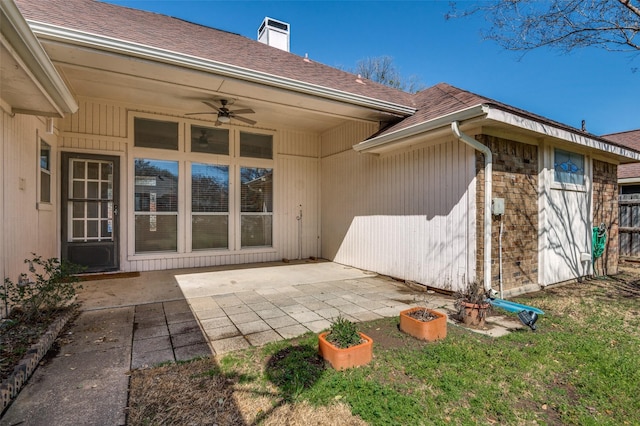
(472, 305)
(343, 346)
(424, 323)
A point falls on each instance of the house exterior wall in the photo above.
(26, 225)
(605, 210)
(105, 129)
(410, 214)
(515, 178)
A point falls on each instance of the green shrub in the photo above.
(343, 333)
(49, 286)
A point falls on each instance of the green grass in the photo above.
(582, 367)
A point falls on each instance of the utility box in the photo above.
(497, 206)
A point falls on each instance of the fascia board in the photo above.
(111, 44)
(18, 34)
(397, 137)
(549, 130)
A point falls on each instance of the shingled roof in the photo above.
(630, 139)
(176, 35)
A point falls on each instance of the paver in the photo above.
(263, 337)
(230, 344)
(292, 331)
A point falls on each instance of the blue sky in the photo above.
(593, 85)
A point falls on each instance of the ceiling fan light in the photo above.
(223, 119)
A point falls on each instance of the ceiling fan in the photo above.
(224, 114)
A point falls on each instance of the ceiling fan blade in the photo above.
(211, 105)
(243, 119)
(243, 111)
(200, 113)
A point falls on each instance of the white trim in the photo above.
(111, 44)
(398, 136)
(20, 36)
(558, 133)
(629, 180)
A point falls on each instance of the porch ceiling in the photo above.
(167, 88)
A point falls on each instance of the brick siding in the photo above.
(605, 210)
(515, 178)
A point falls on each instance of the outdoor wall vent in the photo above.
(274, 33)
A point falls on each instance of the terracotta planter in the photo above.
(341, 359)
(430, 331)
(474, 314)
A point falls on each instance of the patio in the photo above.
(239, 306)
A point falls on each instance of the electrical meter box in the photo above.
(497, 206)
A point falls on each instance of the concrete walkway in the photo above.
(161, 316)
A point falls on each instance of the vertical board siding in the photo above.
(25, 228)
(410, 215)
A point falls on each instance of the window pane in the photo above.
(210, 232)
(92, 228)
(78, 189)
(209, 188)
(156, 233)
(155, 134)
(256, 189)
(92, 189)
(256, 146)
(93, 170)
(45, 187)
(78, 169)
(569, 167)
(256, 231)
(78, 210)
(92, 210)
(78, 229)
(45, 156)
(156, 186)
(211, 141)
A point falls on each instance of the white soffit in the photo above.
(29, 82)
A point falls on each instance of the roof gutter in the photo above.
(20, 37)
(488, 188)
(57, 33)
(417, 129)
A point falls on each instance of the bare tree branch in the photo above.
(524, 25)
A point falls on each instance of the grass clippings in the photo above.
(580, 367)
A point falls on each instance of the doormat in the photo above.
(107, 276)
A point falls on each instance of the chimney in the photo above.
(274, 33)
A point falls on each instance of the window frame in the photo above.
(186, 158)
(40, 203)
(570, 186)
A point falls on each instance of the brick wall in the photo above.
(515, 178)
(605, 210)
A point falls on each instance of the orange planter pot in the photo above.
(430, 331)
(474, 314)
(341, 359)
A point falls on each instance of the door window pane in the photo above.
(155, 134)
(255, 145)
(210, 141)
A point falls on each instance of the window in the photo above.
(91, 200)
(256, 146)
(209, 206)
(209, 141)
(568, 167)
(256, 207)
(156, 205)
(223, 201)
(155, 134)
(45, 172)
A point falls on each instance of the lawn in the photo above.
(580, 367)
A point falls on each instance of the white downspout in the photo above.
(488, 180)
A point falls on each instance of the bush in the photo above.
(50, 285)
(343, 333)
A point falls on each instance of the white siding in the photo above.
(565, 225)
(100, 128)
(25, 226)
(410, 215)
